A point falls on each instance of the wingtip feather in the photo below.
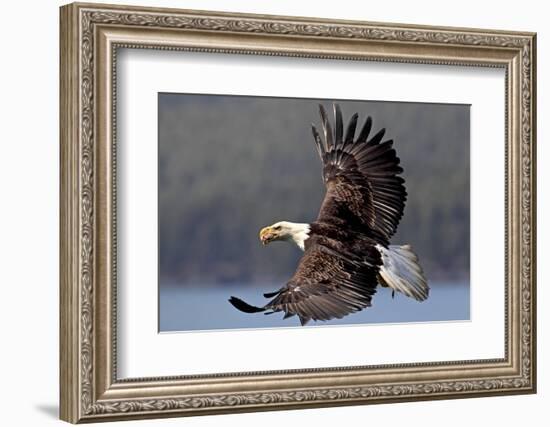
(243, 306)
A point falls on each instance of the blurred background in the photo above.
(230, 165)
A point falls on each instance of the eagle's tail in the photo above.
(239, 304)
(401, 271)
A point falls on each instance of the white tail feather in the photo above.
(401, 271)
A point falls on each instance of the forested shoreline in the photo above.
(231, 165)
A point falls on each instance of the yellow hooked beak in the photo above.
(267, 234)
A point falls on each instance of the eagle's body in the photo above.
(347, 250)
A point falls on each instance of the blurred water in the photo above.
(190, 309)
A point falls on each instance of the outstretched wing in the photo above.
(325, 286)
(364, 191)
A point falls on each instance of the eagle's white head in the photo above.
(286, 231)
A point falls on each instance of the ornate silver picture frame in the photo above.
(91, 37)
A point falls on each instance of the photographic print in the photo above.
(281, 212)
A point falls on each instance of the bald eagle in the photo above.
(347, 251)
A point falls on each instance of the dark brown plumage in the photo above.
(349, 241)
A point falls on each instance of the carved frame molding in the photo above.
(90, 37)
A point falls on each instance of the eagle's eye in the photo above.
(278, 228)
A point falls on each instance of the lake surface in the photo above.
(191, 309)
